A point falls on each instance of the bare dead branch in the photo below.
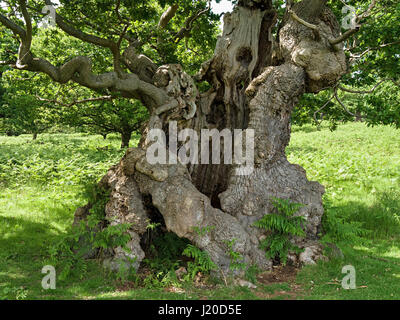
(344, 36)
(303, 22)
(358, 19)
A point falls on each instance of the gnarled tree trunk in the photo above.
(256, 82)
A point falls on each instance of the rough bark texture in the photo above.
(250, 89)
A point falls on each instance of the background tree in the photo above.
(2, 116)
(268, 56)
(22, 113)
(103, 117)
(8, 47)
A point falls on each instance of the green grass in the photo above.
(360, 168)
(377, 266)
(42, 183)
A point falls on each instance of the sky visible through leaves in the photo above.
(223, 6)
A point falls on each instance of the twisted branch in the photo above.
(345, 35)
(79, 69)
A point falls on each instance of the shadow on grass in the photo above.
(24, 251)
(26, 237)
(381, 219)
(23, 247)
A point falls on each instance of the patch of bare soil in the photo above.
(279, 274)
(125, 286)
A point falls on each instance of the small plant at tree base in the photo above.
(236, 258)
(202, 261)
(251, 273)
(125, 272)
(112, 236)
(67, 255)
(202, 231)
(163, 258)
(281, 227)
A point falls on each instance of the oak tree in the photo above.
(270, 53)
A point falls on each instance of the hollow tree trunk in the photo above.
(256, 82)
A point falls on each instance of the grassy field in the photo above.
(42, 183)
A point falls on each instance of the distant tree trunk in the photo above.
(35, 135)
(126, 136)
(104, 135)
(359, 117)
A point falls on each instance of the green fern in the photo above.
(68, 255)
(202, 261)
(281, 227)
(236, 259)
(112, 236)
